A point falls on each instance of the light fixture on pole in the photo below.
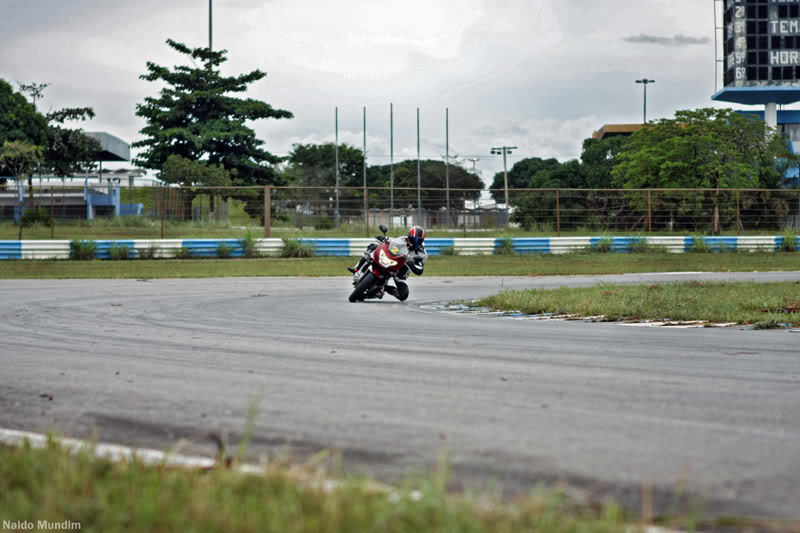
(505, 150)
(645, 82)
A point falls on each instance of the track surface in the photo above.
(603, 407)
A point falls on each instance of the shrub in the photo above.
(119, 252)
(250, 246)
(789, 243)
(183, 253)
(448, 250)
(82, 250)
(699, 244)
(40, 215)
(149, 253)
(224, 251)
(603, 246)
(640, 245)
(504, 247)
(296, 248)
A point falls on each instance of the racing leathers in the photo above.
(415, 262)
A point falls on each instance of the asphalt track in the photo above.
(604, 409)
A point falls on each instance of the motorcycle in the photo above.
(385, 263)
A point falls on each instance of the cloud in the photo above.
(677, 40)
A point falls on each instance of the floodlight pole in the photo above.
(447, 161)
(504, 150)
(645, 82)
(337, 168)
(419, 178)
(209, 23)
(391, 164)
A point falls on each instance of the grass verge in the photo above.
(488, 265)
(53, 485)
(765, 305)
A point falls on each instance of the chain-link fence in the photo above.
(161, 211)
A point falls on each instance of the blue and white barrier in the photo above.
(200, 248)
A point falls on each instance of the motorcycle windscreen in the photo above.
(398, 247)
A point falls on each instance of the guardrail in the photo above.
(171, 248)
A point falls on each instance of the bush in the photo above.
(224, 251)
(119, 252)
(250, 246)
(40, 215)
(149, 253)
(448, 250)
(789, 241)
(183, 253)
(82, 250)
(603, 246)
(640, 245)
(296, 248)
(504, 247)
(699, 244)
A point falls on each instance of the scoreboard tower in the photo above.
(761, 44)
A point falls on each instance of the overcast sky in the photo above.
(538, 74)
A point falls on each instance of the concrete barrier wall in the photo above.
(353, 247)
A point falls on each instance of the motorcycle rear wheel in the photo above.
(365, 283)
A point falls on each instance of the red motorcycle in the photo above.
(384, 263)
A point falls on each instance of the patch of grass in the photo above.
(504, 246)
(39, 215)
(224, 251)
(603, 246)
(448, 250)
(149, 253)
(742, 303)
(789, 243)
(82, 250)
(183, 253)
(296, 248)
(460, 265)
(249, 245)
(53, 485)
(640, 245)
(119, 252)
(699, 244)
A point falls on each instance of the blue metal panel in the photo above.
(779, 243)
(434, 246)
(784, 117)
(758, 95)
(717, 244)
(618, 244)
(103, 247)
(530, 246)
(10, 250)
(329, 247)
(208, 247)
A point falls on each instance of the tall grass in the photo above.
(296, 248)
(82, 250)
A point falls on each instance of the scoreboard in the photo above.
(761, 43)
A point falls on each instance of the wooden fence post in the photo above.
(738, 216)
(649, 213)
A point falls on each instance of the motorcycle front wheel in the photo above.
(365, 283)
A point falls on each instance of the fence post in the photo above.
(267, 212)
(464, 210)
(163, 208)
(649, 213)
(366, 209)
(558, 211)
(738, 217)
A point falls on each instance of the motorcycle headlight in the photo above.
(384, 260)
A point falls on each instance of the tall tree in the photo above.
(704, 148)
(69, 151)
(21, 158)
(19, 121)
(314, 165)
(519, 177)
(197, 116)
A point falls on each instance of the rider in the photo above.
(415, 262)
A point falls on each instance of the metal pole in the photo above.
(391, 165)
(505, 178)
(337, 167)
(649, 213)
(419, 177)
(738, 215)
(209, 24)
(366, 204)
(447, 162)
(645, 103)
(267, 212)
(163, 207)
(558, 211)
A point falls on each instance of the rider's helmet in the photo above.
(416, 236)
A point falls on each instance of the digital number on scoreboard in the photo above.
(762, 43)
